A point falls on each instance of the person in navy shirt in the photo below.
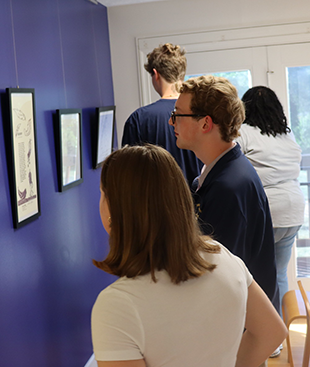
(166, 65)
(231, 204)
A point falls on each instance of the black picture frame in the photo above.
(22, 156)
(69, 148)
(103, 134)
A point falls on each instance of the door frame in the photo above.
(214, 40)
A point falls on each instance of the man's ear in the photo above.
(156, 74)
(207, 124)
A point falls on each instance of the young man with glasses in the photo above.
(166, 65)
(230, 201)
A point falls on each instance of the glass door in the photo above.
(243, 67)
(298, 82)
(289, 77)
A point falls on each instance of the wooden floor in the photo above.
(297, 335)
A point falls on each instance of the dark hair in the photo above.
(264, 110)
(218, 98)
(153, 224)
(169, 60)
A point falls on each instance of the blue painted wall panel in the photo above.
(47, 281)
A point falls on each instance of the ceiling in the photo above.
(109, 3)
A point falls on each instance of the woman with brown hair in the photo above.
(181, 299)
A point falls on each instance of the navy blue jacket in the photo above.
(149, 124)
(232, 207)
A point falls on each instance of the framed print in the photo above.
(69, 148)
(22, 156)
(104, 134)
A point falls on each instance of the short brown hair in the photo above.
(153, 224)
(218, 98)
(169, 60)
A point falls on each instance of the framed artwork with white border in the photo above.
(22, 156)
(104, 134)
(69, 148)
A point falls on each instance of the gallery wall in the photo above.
(47, 281)
(61, 48)
(171, 17)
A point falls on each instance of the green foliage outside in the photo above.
(299, 104)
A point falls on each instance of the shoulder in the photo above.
(160, 107)
(117, 298)
(232, 178)
(248, 129)
(112, 295)
(227, 261)
(234, 168)
(245, 132)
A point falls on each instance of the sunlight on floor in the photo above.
(299, 328)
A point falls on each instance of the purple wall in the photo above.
(47, 281)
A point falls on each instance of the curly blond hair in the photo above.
(169, 61)
(217, 98)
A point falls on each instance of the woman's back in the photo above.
(275, 158)
(277, 162)
(181, 300)
(174, 325)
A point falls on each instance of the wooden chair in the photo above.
(305, 296)
(293, 308)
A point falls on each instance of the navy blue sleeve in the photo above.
(131, 134)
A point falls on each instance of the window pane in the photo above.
(240, 79)
(299, 115)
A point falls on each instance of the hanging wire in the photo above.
(14, 46)
(62, 56)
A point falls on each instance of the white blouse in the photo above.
(277, 162)
(174, 325)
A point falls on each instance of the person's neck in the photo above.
(168, 91)
(170, 96)
(208, 155)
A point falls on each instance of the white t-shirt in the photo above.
(277, 162)
(198, 323)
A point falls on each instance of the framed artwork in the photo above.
(103, 134)
(22, 156)
(69, 148)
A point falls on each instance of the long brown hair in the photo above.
(153, 224)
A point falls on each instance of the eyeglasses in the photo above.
(174, 115)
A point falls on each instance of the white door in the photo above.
(244, 67)
(289, 77)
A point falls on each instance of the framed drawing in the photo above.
(69, 148)
(103, 134)
(22, 156)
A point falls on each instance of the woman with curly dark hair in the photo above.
(267, 141)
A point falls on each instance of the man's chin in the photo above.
(179, 144)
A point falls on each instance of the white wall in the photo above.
(182, 16)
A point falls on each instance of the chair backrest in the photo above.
(306, 357)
